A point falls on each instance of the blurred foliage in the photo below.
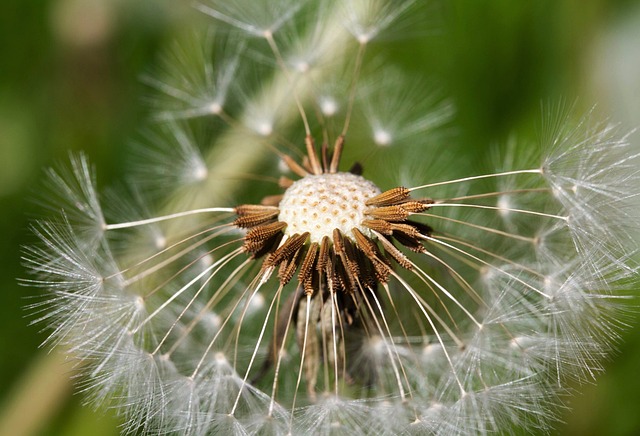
(69, 80)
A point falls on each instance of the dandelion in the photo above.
(338, 301)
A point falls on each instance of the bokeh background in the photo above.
(70, 80)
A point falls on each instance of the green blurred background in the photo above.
(69, 80)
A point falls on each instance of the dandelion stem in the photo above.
(479, 227)
(185, 287)
(352, 92)
(302, 356)
(171, 259)
(268, 35)
(533, 288)
(485, 176)
(496, 194)
(386, 342)
(255, 349)
(172, 246)
(168, 217)
(226, 321)
(506, 209)
(435, 330)
(191, 301)
(446, 292)
(281, 350)
(334, 303)
(492, 254)
(220, 293)
(181, 270)
(420, 300)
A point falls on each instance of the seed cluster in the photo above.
(337, 229)
(339, 233)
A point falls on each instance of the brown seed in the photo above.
(294, 166)
(388, 213)
(396, 254)
(390, 197)
(337, 154)
(288, 249)
(365, 244)
(251, 209)
(306, 270)
(285, 182)
(288, 268)
(405, 229)
(414, 206)
(311, 153)
(257, 237)
(379, 226)
(323, 255)
(271, 200)
(252, 220)
(263, 232)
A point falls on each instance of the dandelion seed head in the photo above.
(197, 77)
(73, 188)
(504, 205)
(160, 242)
(328, 105)
(382, 137)
(169, 159)
(199, 171)
(331, 303)
(215, 108)
(319, 204)
(261, 127)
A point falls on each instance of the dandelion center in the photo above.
(319, 204)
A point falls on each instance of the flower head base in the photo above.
(318, 204)
(336, 229)
(335, 304)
